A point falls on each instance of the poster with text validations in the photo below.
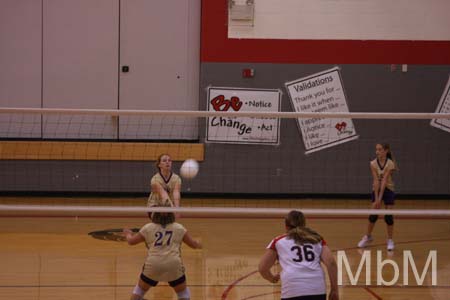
(321, 92)
(443, 107)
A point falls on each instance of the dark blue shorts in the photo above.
(312, 297)
(388, 197)
(173, 283)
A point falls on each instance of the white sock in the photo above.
(184, 295)
(138, 292)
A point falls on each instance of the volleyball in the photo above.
(189, 169)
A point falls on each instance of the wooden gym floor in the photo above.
(53, 257)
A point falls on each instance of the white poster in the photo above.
(243, 130)
(321, 92)
(443, 107)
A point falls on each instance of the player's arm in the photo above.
(265, 264)
(177, 194)
(133, 238)
(376, 182)
(386, 175)
(330, 263)
(188, 240)
(157, 188)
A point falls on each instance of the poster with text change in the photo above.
(243, 130)
(443, 107)
(321, 92)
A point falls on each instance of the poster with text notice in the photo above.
(243, 130)
(443, 107)
(321, 92)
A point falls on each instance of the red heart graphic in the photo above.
(341, 126)
(236, 104)
(220, 101)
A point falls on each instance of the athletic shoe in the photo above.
(365, 241)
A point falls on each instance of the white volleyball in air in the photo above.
(189, 169)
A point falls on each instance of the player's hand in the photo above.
(199, 244)
(334, 295)
(377, 204)
(276, 278)
(127, 231)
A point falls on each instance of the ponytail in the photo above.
(297, 230)
(389, 154)
(302, 235)
(162, 218)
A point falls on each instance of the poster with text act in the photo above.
(321, 92)
(243, 130)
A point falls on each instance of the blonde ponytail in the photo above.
(302, 235)
(296, 223)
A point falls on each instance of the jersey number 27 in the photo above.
(160, 236)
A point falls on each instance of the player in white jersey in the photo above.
(382, 169)
(165, 185)
(300, 251)
(163, 238)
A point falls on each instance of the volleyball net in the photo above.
(241, 153)
(71, 210)
(78, 248)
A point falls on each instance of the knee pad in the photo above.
(373, 218)
(185, 295)
(389, 219)
(138, 291)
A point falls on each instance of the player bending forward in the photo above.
(163, 237)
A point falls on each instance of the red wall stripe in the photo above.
(217, 47)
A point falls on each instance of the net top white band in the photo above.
(180, 113)
(206, 211)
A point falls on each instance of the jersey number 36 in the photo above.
(303, 252)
